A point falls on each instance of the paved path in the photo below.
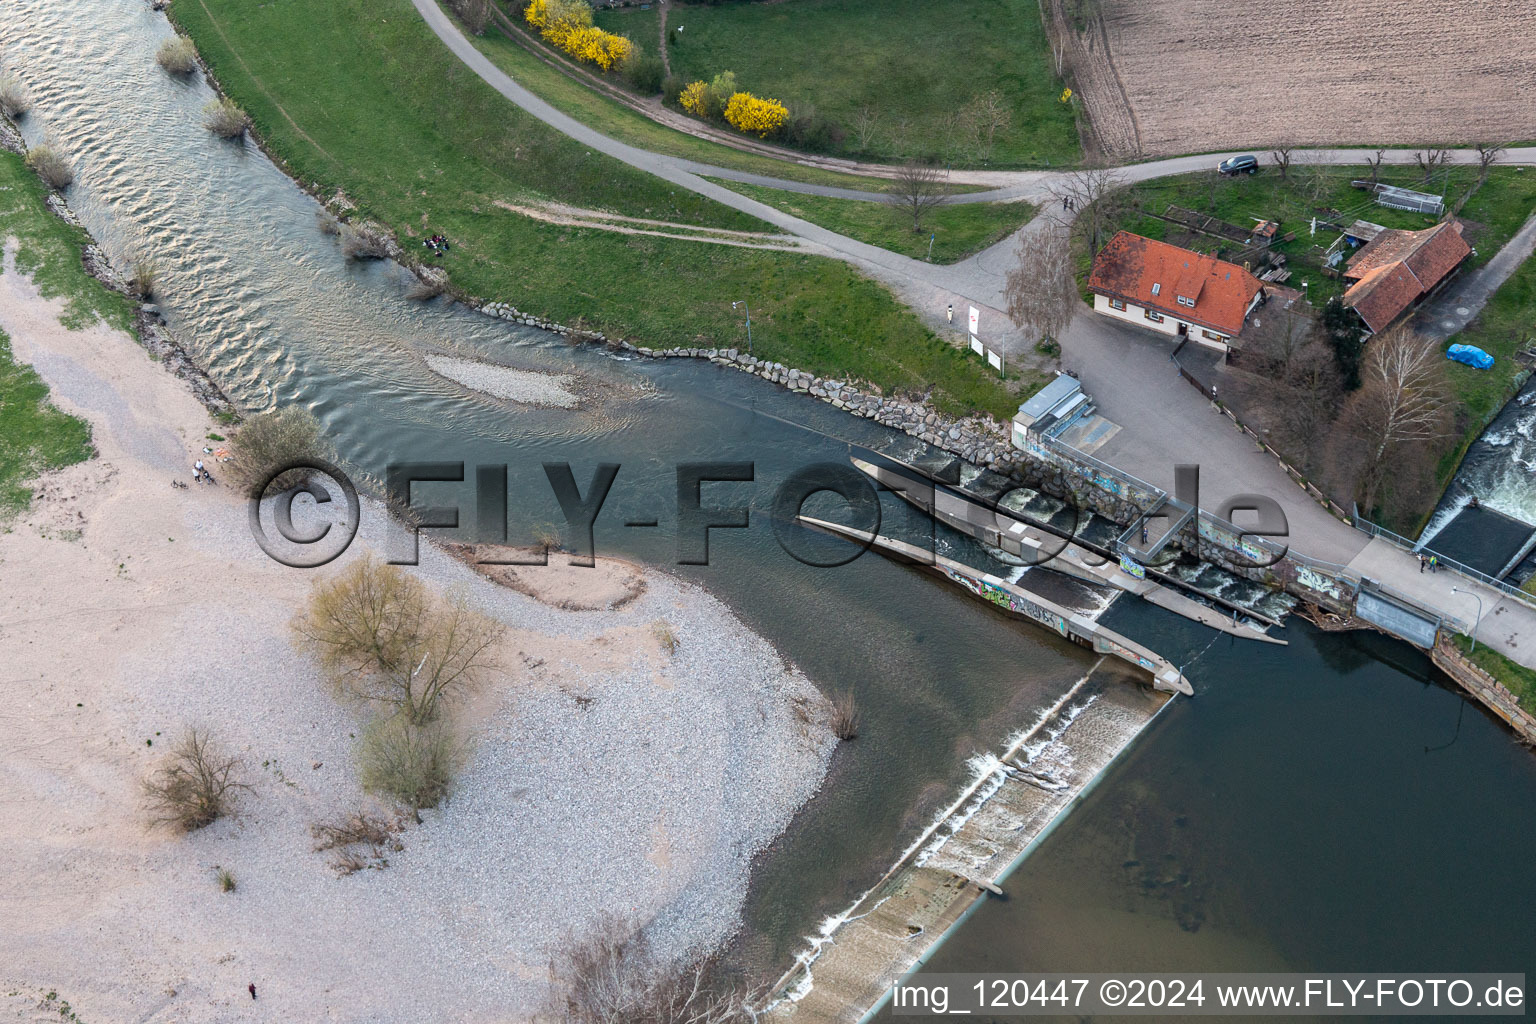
(1454, 308)
(1163, 420)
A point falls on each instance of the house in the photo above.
(1396, 270)
(1176, 291)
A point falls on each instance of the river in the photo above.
(1295, 790)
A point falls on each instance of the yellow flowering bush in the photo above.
(695, 99)
(754, 115)
(567, 25)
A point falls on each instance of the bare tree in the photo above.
(1375, 165)
(1311, 401)
(1283, 343)
(989, 114)
(1281, 155)
(1404, 400)
(917, 189)
(615, 977)
(1488, 153)
(865, 124)
(1094, 195)
(1429, 159)
(1041, 289)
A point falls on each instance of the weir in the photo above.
(1016, 600)
(986, 508)
(1013, 799)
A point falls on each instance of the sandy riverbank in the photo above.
(608, 774)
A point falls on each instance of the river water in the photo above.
(1295, 791)
(1499, 470)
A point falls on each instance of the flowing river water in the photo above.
(1326, 804)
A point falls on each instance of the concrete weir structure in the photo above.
(1012, 801)
(1017, 601)
(1013, 798)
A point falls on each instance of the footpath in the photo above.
(1163, 421)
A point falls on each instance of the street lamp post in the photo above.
(743, 305)
(1479, 599)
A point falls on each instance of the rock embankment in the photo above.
(978, 439)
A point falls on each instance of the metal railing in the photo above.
(1067, 451)
(1508, 590)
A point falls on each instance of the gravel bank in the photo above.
(525, 386)
(607, 774)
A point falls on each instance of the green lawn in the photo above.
(1497, 209)
(617, 121)
(35, 436)
(360, 95)
(958, 230)
(914, 63)
(1504, 327)
(638, 25)
(1518, 679)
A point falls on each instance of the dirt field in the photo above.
(1163, 77)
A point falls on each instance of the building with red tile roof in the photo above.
(1172, 290)
(1398, 269)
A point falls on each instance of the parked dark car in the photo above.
(1239, 165)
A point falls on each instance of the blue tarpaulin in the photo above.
(1471, 355)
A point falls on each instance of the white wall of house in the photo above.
(1168, 324)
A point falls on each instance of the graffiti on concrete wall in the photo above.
(1104, 645)
(1321, 582)
(1008, 600)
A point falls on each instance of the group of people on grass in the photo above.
(438, 244)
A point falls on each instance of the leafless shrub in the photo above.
(917, 189)
(363, 242)
(865, 125)
(423, 290)
(666, 636)
(845, 716)
(273, 440)
(141, 283)
(51, 165)
(475, 14)
(359, 840)
(225, 119)
(547, 536)
(414, 764)
(986, 115)
(380, 636)
(15, 101)
(177, 55)
(195, 786)
(613, 976)
(356, 828)
(326, 221)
